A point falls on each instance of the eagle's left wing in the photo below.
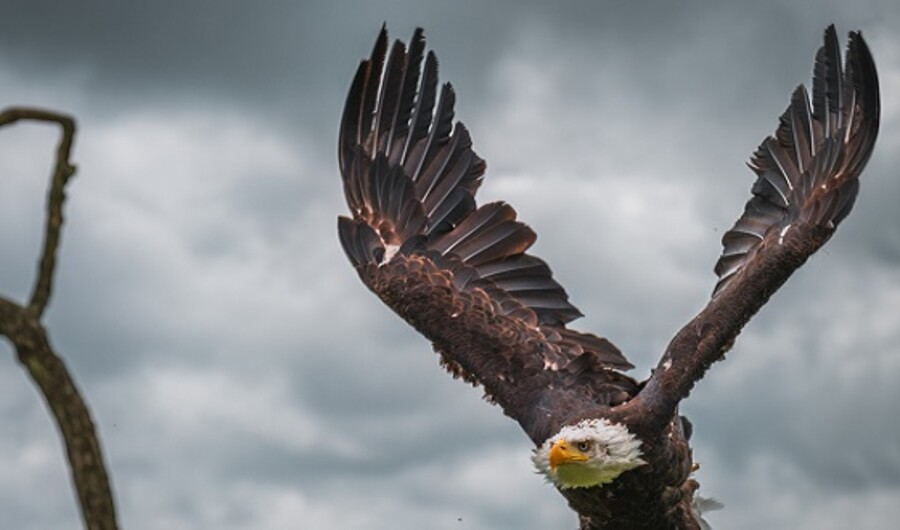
(807, 181)
(456, 271)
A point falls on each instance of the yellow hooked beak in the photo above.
(562, 453)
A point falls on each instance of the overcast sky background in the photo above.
(243, 378)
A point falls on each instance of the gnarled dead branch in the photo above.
(22, 326)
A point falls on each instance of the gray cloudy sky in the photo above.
(243, 378)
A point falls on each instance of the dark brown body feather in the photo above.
(460, 274)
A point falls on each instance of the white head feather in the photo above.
(590, 453)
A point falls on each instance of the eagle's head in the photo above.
(588, 453)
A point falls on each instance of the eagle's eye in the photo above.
(584, 446)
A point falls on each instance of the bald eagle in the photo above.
(459, 272)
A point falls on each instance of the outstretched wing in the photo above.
(456, 271)
(807, 181)
(808, 173)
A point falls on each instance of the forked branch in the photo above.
(22, 326)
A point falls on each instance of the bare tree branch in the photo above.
(63, 170)
(22, 326)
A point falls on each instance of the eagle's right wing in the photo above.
(456, 271)
(807, 181)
